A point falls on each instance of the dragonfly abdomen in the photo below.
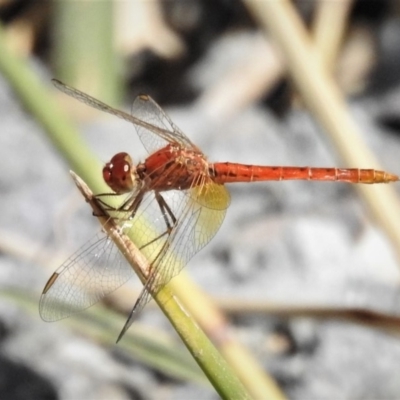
(233, 172)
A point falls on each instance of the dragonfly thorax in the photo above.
(120, 173)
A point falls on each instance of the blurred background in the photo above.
(305, 272)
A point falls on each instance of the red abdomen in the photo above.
(232, 172)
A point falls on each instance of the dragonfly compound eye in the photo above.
(118, 173)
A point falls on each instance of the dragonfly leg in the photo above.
(164, 207)
(127, 207)
(108, 207)
(134, 206)
(169, 218)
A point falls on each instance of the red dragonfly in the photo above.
(175, 202)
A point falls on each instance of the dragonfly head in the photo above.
(120, 173)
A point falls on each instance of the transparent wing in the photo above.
(198, 220)
(199, 214)
(144, 108)
(95, 270)
(98, 268)
(153, 126)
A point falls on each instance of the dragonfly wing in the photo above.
(95, 270)
(210, 195)
(199, 214)
(153, 126)
(146, 109)
(198, 220)
(98, 268)
(91, 101)
(141, 301)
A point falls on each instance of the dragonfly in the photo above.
(173, 204)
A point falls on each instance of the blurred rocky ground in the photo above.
(293, 243)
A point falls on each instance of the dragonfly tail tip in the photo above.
(387, 177)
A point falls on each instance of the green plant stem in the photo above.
(203, 351)
(38, 100)
(84, 54)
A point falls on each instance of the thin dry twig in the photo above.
(370, 318)
(327, 41)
